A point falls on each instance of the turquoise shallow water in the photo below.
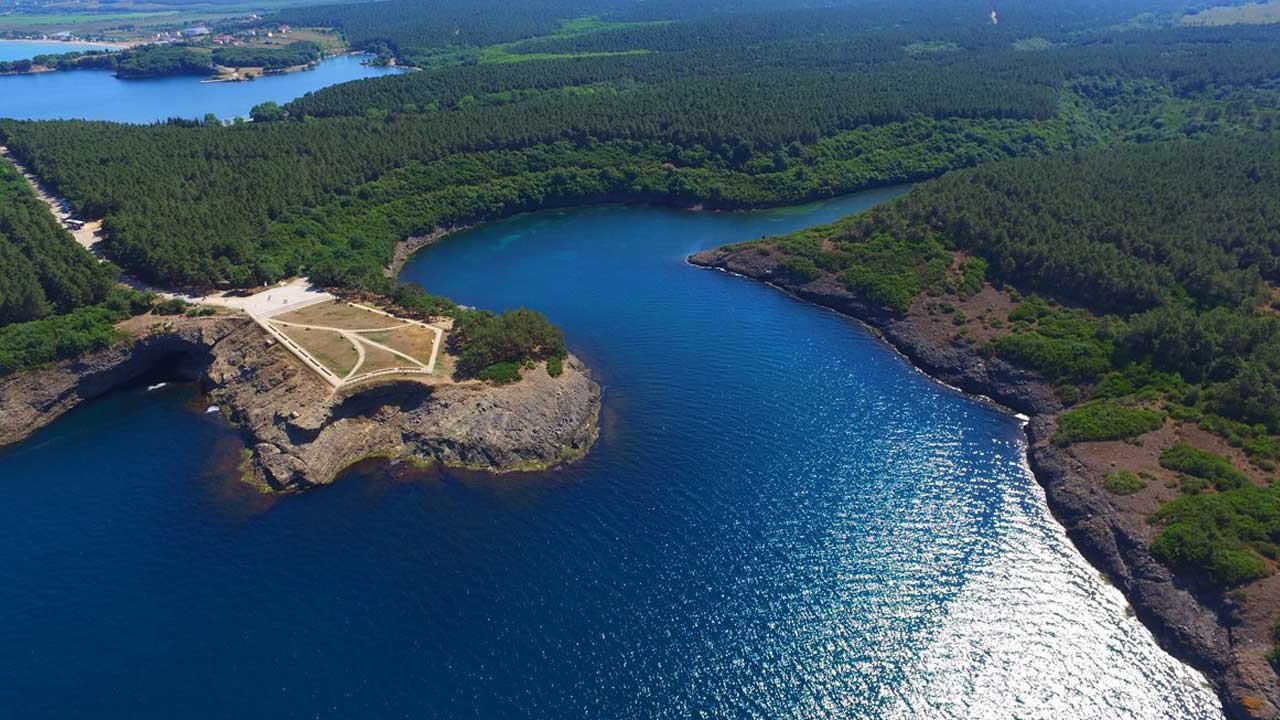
(99, 95)
(781, 520)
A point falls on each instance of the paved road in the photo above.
(297, 293)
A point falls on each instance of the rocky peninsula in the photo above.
(1210, 632)
(298, 431)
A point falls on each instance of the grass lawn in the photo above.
(329, 348)
(413, 341)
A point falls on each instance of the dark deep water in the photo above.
(781, 520)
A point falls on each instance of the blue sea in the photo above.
(782, 519)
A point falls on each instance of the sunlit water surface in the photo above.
(99, 95)
(781, 520)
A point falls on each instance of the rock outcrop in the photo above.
(29, 401)
(299, 432)
(1197, 630)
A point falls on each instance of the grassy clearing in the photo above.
(496, 54)
(413, 340)
(376, 359)
(329, 348)
(75, 20)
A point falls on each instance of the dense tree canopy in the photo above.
(293, 54)
(44, 270)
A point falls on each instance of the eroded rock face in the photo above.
(301, 433)
(1200, 630)
(29, 401)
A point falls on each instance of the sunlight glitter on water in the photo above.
(998, 647)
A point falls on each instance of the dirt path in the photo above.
(88, 234)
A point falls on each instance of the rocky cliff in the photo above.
(300, 433)
(1197, 630)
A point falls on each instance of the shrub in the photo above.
(1193, 547)
(1124, 483)
(1273, 655)
(973, 277)
(1030, 310)
(1105, 420)
(1136, 377)
(555, 367)
(1068, 359)
(1214, 469)
(172, 306)
(501, 373)
(1216, 534)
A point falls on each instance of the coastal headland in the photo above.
(299, 431)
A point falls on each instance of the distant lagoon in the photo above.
(27, 49)
(99, 95)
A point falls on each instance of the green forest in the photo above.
(45, 271)
(336, 180)
(291, 55)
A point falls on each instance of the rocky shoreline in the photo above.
(298, 433)
(1200, 631)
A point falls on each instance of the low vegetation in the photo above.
(1066, 346)
(1215, 470)
(1106, 420)
(1124, 482)
(1273, 655)
(1223, 538)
